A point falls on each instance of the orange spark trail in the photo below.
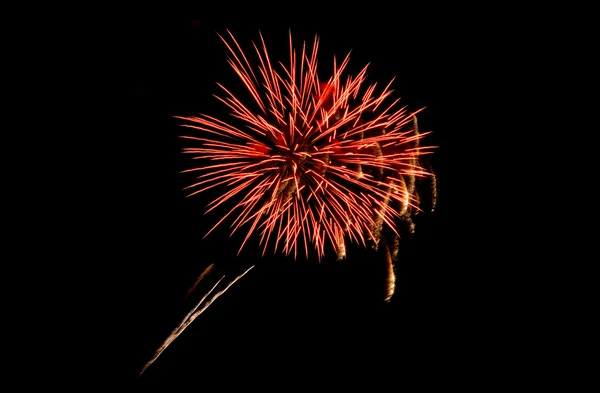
(193, 314)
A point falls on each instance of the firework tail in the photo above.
(390, 276)
(200, 307)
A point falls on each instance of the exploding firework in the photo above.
(308, 163)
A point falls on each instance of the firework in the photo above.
(307, 163)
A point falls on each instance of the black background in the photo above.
(288, 321)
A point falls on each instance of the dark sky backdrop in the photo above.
(296, 320)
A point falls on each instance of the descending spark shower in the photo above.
(308, 163)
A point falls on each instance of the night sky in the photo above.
(288, 321)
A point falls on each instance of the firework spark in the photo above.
(307, 163)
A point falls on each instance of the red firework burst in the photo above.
(309, 162)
